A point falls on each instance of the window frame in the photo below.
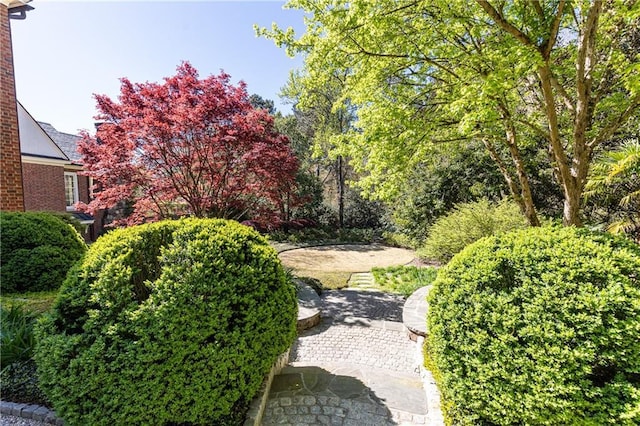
(76, 195)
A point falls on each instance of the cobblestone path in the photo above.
(357, 367)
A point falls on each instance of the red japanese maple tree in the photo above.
(188, 146)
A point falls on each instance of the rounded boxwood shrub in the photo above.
(37, 251)
(170, 322)
(468, 222)
(539, 326)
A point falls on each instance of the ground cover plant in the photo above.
(37, 251)
(326, 235)
(538, 326)
(18, 379)
(19, 383)
(169, 322)
(403, 279)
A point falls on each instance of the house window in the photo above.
(71, 189)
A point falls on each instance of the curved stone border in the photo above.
(30, 411)
(414, 313)
(256, 409)
(308, 306)
(280, 246)
(434, 412)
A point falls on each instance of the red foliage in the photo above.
(188, 147)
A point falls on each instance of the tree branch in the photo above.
(615, 124)
(555, 28)
(538, 8)
(563, 94)
(504, 24)
(585, 63)
(513, 186)
(536, 129)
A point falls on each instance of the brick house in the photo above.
(50, 166)
(11, 190)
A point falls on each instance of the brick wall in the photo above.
(44, 187)
(83, 189)
(11, 191)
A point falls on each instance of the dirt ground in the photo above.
(345, 258)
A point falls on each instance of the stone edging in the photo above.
(434, 412)
(256, 409)
(30, 411)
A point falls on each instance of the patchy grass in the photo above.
(403, 279)
(331, 280)
(333, 265)
(36, 302)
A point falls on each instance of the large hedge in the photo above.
(467, 223)
(539, 326)
(171, 322)
(36, 251)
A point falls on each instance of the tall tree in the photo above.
(258, 101)
(324, 121)
(188, 146)
(507, 73)
(309, 187)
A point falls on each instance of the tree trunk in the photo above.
(340, 176)
(571, 188)
(571, 213)
(526, 197)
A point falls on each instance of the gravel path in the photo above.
(6, 420)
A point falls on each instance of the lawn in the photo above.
(403, 279)
(36, 302)
(333, 265)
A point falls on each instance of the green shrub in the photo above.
(71, 220)
(467, 223)
(19, 383)
(538, 326)
(170, 322)
(16, 335)
(37, 250)
(325, 235)
(403, 279)
(397, 239)
(314, 283)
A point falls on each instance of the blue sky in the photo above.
(67, 50)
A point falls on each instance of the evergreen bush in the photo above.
(539, 326)
(468, 222)
(37, 249)
(170, 322)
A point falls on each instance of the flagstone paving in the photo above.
(357, 367)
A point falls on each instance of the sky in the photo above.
(65, 51)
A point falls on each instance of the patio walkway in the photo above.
(357, 367)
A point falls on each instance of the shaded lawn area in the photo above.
(36, 302)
